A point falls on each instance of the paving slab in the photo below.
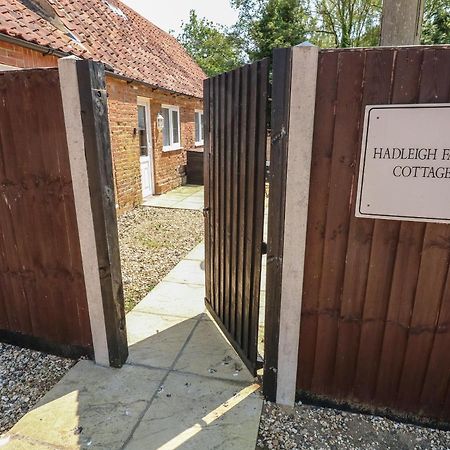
(184, 197)
(208, 353)
(174, 299)
(200, 413)
(198, 253)
(183, 386)
(92, 407)
(188, 271)
(156, 340)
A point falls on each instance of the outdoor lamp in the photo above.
(160, 121)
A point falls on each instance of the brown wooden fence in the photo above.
(375, 326)
(60, 279)
(235, 156)
(194, 167)
(42, 290)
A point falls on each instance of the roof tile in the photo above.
(131, 45)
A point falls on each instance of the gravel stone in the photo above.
(25, 377)
(316, 428)
(152, 242)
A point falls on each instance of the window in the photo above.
(142, 129)
(199, 128)
(171, 130)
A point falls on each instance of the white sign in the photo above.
(405, 163)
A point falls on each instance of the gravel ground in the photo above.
(152, 242)
(317, 428)
(25, 376)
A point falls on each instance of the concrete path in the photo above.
(184, 197)
(183, 387)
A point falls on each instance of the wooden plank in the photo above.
(242, 205)
(317, 211)
(221, 205)
(435, 256)
(250, 206)
(207, 185)
(259, 195)
(406, 89)
(215, 154)
(378, 72)
(228, 196)
(345, 143)
(235, 200)
(437, 378)
(91, 80)
(428, 298)
(282, 61)
(40, 264)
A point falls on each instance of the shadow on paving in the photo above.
(183, 386)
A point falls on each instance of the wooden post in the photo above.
(86, 115)
(401, 22)
(294, 96)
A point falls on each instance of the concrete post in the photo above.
(401, 22)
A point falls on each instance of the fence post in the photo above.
(293, 104)
(85, 111)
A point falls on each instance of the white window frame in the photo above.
(177, 145)
(202, 141)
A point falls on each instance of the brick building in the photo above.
(149, 77)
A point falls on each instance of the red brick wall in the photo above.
(16, 56)
(122, 102)
(168, 166)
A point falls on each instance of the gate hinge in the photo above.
(205, 211)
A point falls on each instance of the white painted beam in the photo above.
(300, 139)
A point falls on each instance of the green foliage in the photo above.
(267, 24)
(211, 46)
(348, 23)
(282, 23)
(436, 22)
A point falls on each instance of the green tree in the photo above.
(267, 24)
(210, 45)
(348, 23)
(436, 22)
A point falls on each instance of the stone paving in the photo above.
(184, 197)
(183, 386)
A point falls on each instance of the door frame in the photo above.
(145, 102)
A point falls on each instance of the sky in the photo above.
(168, 14)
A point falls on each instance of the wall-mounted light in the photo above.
(160, 121)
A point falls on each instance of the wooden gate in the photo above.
(235, 157)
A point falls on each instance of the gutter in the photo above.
(37, 47)
(108, 69)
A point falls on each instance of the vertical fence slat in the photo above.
(249, 200)
(242, 209)
(228, 195)
(236, 111)
(435, 255)
(406, 89)
(437, 378)
(317, 212)
(281, 87)
(377, 81)
(348, 110)
(216, 206)
(207, 185)
(259, 193)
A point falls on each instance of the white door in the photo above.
(145, 143)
